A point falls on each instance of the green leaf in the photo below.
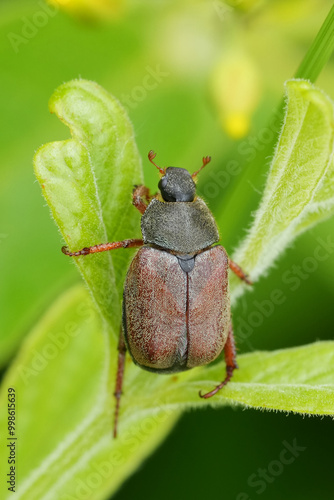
(299, 379)
(87, 182)
(64, 410)
(78, 178)
(310, 68)
(322, 205)
(300, 182)
(62, 376)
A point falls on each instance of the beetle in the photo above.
(176, 304)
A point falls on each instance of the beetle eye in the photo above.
(163, 182)
(163, 185)
(177, 185)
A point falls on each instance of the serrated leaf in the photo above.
(300, 182)
(87, 182)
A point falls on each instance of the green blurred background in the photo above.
(197, 78)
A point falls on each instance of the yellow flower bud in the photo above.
(235, 89)
(91, 10)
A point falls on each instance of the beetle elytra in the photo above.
(176, 304)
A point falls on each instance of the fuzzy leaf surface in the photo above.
(87, 182)
(300, 186)
(63, 375)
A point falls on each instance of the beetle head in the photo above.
(177, 185)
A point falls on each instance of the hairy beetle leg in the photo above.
(103, 247)
(231, 364)
(119, 377)
(239, 272)
(138, 194)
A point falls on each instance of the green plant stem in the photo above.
(319, 52)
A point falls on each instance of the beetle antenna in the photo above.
(151, 156)
(206, 160)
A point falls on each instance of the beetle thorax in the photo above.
(182, 227)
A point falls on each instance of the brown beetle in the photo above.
(176, 303)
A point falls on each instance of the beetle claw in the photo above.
(208, 394)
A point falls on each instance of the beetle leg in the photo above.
(119, 377)
(239, 272)
(103, 247)
(138, 194)
(231, 364)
